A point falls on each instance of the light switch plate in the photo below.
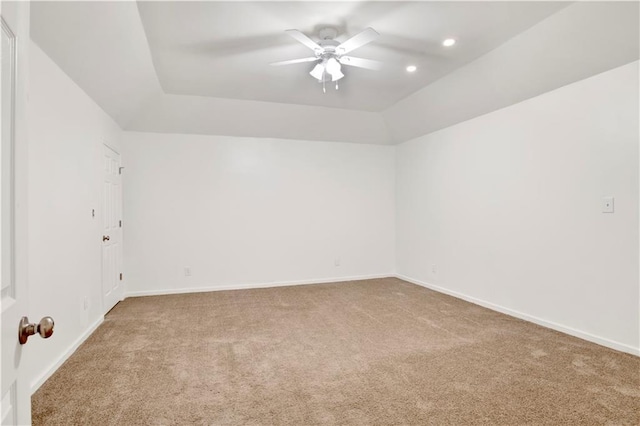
(607, 205)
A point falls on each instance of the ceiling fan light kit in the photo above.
(330, 54)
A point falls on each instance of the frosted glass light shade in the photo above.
(317, 72)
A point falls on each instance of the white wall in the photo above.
(66, 133)
(507, 207)
(247, 212)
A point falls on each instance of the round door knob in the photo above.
(25, 329)
(105, 238)
(45, 327)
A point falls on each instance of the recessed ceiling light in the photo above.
(411, 68)
(449, 42)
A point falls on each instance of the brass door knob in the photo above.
(44, 328)
(105, 238)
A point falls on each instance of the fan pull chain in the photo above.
(324, 89)
(336, 85)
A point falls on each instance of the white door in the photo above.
(15, 392)
(112, 289)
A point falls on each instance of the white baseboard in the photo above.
(35, 385)
(161, 292)
(548, 324)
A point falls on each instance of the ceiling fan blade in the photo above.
(294, 61)
(358, 40)
(360, 62)
(304, 39)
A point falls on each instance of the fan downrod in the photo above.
(328, 33)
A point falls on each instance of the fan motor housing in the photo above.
(329, 44)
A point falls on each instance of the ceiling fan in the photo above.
(331, 54)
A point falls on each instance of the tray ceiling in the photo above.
(223, 49)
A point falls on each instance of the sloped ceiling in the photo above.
(195, 67)
(577, 42)
(103, 48)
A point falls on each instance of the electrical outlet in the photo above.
(434, 270)
(85, 304)
(337, 261)
(187, 271)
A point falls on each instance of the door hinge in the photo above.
(120, 276)
(120, 223)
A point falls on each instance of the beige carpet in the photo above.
(376, 352)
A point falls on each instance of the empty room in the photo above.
(320, 213)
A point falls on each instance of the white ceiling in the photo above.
(103, 48)
(202, 67)
(223, 49)
(579, 41)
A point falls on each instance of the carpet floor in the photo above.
(374, 352)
